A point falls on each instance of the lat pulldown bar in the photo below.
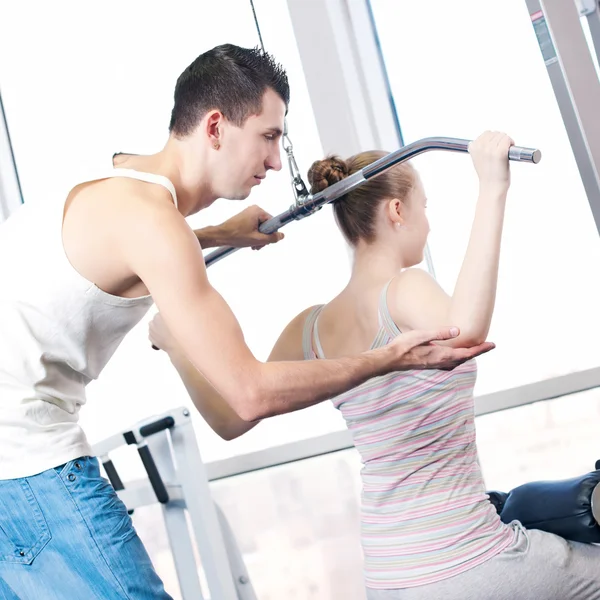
(309, 204)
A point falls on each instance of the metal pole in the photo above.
(311, 204)
(210, 541)
(574, 80)
(176, 525)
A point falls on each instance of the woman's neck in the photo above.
(375, 264)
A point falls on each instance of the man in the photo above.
(84, 270)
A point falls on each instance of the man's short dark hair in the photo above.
(227, 78)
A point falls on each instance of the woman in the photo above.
(428, 528)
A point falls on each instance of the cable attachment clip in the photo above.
(298, 185)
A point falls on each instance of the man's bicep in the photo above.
(169, 261)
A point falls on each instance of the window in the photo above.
(556, 439)
(452, 73)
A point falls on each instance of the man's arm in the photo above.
(241, 231)
(221, 418)
(161, 249)
(212, 236)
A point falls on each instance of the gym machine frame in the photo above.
(177, 480)
(574, 80)
(177, 477)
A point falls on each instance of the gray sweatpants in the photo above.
(539, 566)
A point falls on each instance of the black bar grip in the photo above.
(156, 426)
(153, 475)
(111, 471)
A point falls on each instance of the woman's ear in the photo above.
(396, 212)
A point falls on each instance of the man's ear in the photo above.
(213, 127)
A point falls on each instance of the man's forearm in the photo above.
(282, 387)
(211, 237)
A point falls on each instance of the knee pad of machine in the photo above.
(560, 507)
(498, 499)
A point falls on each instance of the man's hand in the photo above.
(418, 350)
(241, 231)
(160, 336)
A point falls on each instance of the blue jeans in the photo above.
(65, 534)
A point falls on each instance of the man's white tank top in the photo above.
(57, 332)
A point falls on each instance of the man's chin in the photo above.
(238, 195)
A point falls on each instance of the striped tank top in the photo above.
(425, 515)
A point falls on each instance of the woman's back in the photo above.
(425, 513)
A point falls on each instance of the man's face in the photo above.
(247, 153)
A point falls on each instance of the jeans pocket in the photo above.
(110, 513)
(104, 512)
(23, 528)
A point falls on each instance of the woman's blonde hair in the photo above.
(355, 212)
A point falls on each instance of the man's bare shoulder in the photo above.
(112, 225)
(123, 207)
(124, 193)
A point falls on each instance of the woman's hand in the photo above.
(489, 153)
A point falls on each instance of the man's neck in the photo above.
(174, 163)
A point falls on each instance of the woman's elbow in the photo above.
(469, 338)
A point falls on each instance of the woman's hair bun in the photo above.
(326, 172)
